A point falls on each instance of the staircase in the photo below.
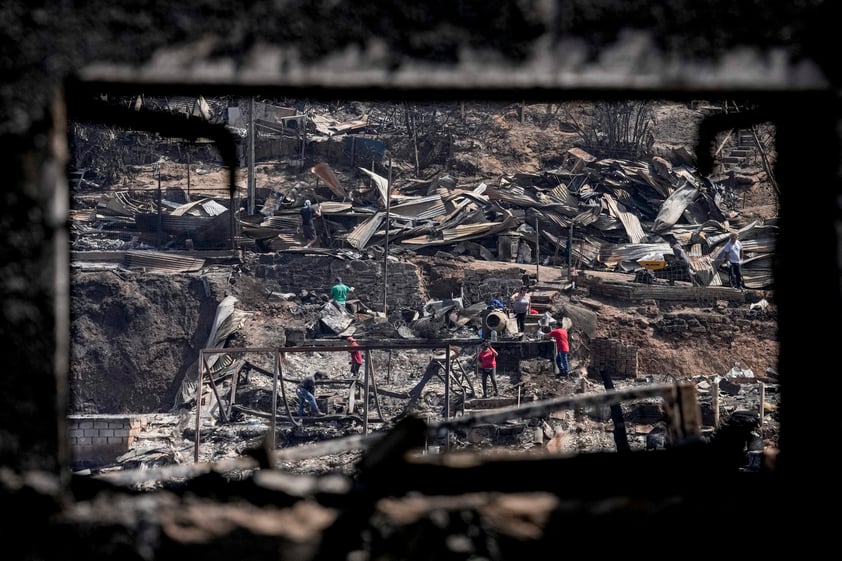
(542, 297)
(742, 149)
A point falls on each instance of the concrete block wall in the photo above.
(618, 359)
(97, 440)
(316, 273)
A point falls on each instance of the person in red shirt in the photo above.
(356, 358)
(487, 358)
(562, 346)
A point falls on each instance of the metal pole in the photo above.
(365, 393)
(198, 406)
(386, 246)
(303, 122)
(274, 423)
(251, 140)
(537, 253)
(160, 216)
(762, 399)
(570, 252)
(714, 392)
(447, 391)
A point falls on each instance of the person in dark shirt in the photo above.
(306, 394)
(308, 213)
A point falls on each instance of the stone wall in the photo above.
(317, 273)
(716, 325)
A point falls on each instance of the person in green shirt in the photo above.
(339, 294)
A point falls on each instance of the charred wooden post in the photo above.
(375, 391)
(278, 359)
(683, 413)
(621, 439)
(714, 392)
(365, 391)
(762, 388)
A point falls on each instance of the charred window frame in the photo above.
(814, 217)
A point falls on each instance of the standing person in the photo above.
(733, 250)
(562, 346)
(356, 358)
(308, 213)
(683, 262)
(305, 392)
(520, 306)
(487, 358)
(339, 294)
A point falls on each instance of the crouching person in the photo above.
(306, 394)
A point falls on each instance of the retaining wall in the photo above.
(316, 273)
(97, 440)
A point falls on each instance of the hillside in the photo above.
(136, 333)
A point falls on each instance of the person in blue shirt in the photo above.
(306, 394)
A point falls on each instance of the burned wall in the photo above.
(293, 273)
(716, 326)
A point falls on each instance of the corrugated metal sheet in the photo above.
(157, 261)
(514, 196)
(149, 222)
(629, 220)
(323, 171)
(673, 207)
(447, 236)
(284, 222)
(120, 204)
(420, 209)
(612, 254)
(563, 195)
(359, 236)
(757, 271)
(380, 182)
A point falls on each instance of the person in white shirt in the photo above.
(520, 306)
(733, 251)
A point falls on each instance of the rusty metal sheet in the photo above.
(323, 172)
